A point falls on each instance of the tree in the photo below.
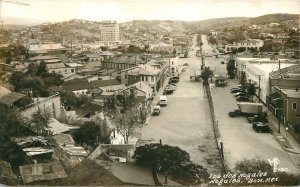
(39, 123)
(126, 113)
(53, 79)
(172, 161)
(16, 79)
(41, 69)
(32, 69)
(231, 70)
(251, 89)
(212, 40)
(206, 74)
(89, 133)
(243, 80)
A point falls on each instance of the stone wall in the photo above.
(48, 106)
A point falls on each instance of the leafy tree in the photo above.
(89, 133)
(270, 46)
(41, 69)
(126, 113)
(251, 89)
(32, 69)
(39, 123)
(212, 40)
(171, 160)
(16, 79)
(23, 102)
(53, 79)
(231, 70)
(206, 74)
(243, 80)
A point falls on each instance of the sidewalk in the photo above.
(285, 139)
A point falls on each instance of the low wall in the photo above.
(216, 129)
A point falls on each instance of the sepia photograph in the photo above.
(149, 93)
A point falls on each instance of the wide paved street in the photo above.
(185, 122)
(240, 140)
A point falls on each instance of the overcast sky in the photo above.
(127, 10)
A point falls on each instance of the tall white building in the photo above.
(109, 31)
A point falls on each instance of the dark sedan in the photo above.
(243, 98)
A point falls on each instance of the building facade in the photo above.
(109, 31)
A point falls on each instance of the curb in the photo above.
(286, 149)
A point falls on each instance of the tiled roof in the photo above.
(103, 83)
(127, 59)
(76, 84)
(55, 65)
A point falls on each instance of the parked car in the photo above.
(222, 62)
(239, 94)
(170, 87)
(175, 78)
(236, 90)
(242, 98)
(168, 90)
(235, 113)
(261, 127)
(257, 119)
(172, 81)
(185, 64)
(173, 84)
(156, 110)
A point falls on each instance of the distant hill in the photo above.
(216, 23)
(219, 23)
(21, 21)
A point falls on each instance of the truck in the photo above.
(246, 109)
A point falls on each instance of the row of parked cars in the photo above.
(252, 111)
(171, 86)
(240, 94)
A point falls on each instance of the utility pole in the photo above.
(280, 100)
(259, 88)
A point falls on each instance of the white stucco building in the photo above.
(257, 71)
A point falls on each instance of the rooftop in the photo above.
(291, 93)
(56, 127)
(10, 98)
(3, 91)
(63, 139)
(41, 172)
(103, 83)
(270, 67)
(131, 173)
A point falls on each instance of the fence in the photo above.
(216, 129)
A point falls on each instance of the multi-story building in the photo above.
(255, 44)
(109, 31)
(258, 71)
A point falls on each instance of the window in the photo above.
(72, 70)
(146, 78)
(294, 106)
(143, 78)
(152, 78)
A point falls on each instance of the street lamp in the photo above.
(279, 106)
(286, 131)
